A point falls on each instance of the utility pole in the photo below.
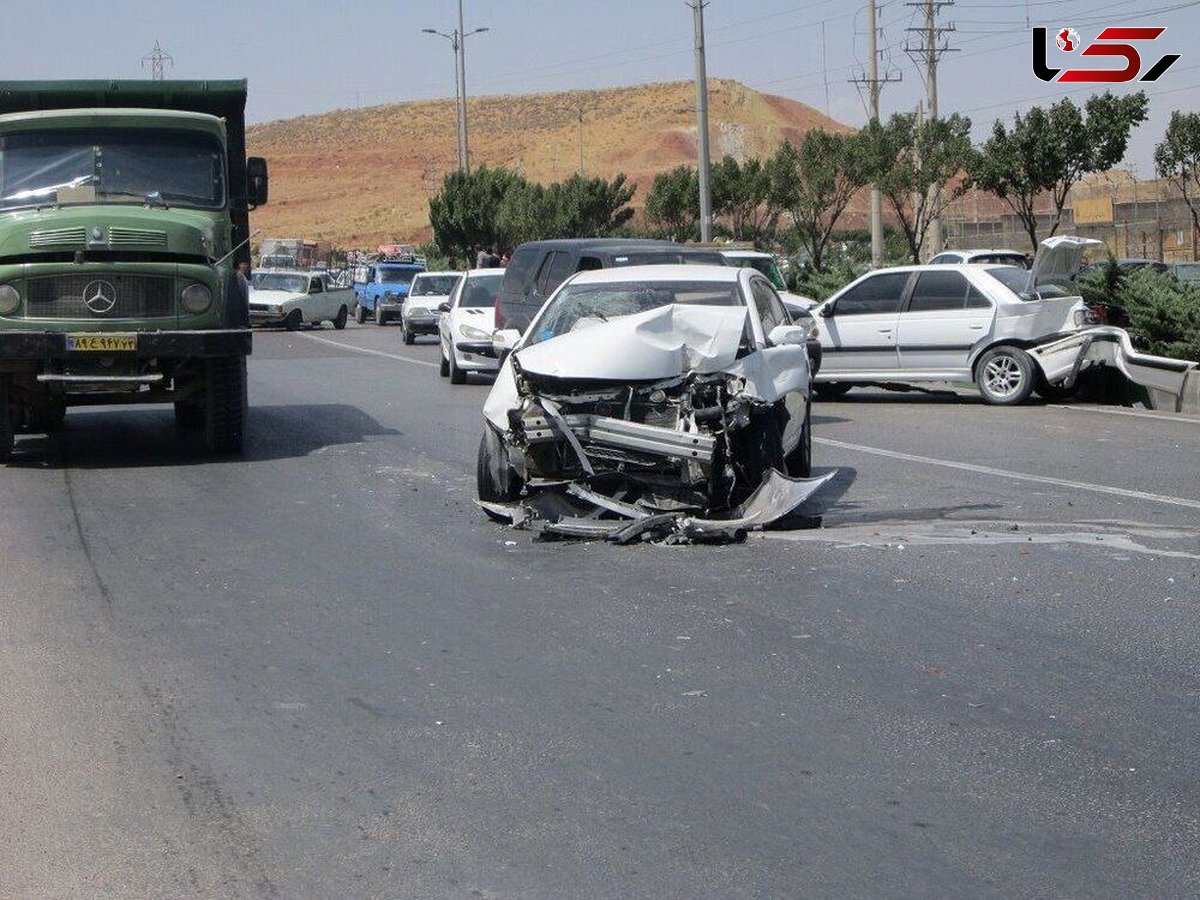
(457, 38)
(702, 123)
(157, 57)
(874, 85)
(580, 138)
(927, 54)
(824, 67)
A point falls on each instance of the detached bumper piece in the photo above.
(576, 511)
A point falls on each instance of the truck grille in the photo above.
(131, 297)
(58, 237)
(136, 237)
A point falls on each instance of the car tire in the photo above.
(495, 480)
(799, 461)
(444, 368)
(380, 316)
(409, 337)
(360, 314)
(339, 321)
(457, 375)
(224, 404)
(1005, 376)
(294, 320)
(832, 390)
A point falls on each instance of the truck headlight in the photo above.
(474, 334)
(10, 299)
(196, 298)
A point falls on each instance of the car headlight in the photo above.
(196, 298)
(474, 334)
(274, 310)
(10, 299)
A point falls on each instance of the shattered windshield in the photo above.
(111, 165)
(578, 306)
(279, 281)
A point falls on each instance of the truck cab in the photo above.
(381, 288)
(123, 215)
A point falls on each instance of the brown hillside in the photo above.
(364, 177)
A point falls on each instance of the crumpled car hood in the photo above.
(659, 343)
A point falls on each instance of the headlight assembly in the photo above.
(474, 334)
(10, 299)
(196, 298)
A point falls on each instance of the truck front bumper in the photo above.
(42, 345)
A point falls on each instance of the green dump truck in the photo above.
(124, 211)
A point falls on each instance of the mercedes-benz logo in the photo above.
(100, 297)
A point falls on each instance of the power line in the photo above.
(157, 58)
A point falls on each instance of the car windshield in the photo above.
(108, 165)
(577, 306)
(434, 285)
(394, 276)
(279, 281)
(481, 290)
(763, 264)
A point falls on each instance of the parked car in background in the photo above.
(1188, 272)
(428, 291)
(981, 258)
(382, 290)
(539, 267)
(960, 322)
(1126, 265)
(294, 298)
(466, 324)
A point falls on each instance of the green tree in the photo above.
(589, 207)
(1050, 150)
(465, 213)
(741, 192)
(1177, 159)
(815, 181)
(673, 202)
(908, 159)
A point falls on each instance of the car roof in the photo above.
(681, 273)
(474, 272)
(611, 244)
(440, 272)
(745, 254)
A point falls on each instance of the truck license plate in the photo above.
(101, 343)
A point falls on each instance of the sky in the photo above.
(304, 56)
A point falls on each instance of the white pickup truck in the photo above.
(293, 298)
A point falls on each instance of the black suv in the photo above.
(537, 268)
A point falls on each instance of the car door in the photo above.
(944, 317)
(444, 318)
(771, 312)
(858, 327)
(315, 302)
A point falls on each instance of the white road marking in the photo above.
(395, 356)
(1132, 414)
(1017, 476)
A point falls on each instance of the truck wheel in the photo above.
(495, 480)
(189, 414)
(294, 320)
(360, 314)
(457, 375)
(380, 318)
(409, 337)
(1005, 376)
(339, 321)
(799, 461)
(8, 438)
(48, 417)
(224, 404)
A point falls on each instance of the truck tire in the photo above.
(8, 437)
(339, 321)
(380, 317)
(48, 417)
(495, 479)
(224, 404)
(360, 314)
(1005, 376)
(189, 414)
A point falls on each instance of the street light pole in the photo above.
(457, 37)
(702, 123)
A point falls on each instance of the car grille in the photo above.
(134, 296)
(259, 307)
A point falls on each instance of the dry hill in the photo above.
(359, 177)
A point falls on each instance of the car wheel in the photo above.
(409, 337)
(339, 321)
(360, 314)
(495, 480)
(294, 320)
(457, 375)
(831, 390)
(799, 461)
(444, 368)
(1005, 376)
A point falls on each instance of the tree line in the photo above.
(798, 195)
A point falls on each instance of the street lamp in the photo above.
(455, 38)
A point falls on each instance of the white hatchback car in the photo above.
(428, 291)
(954, 323)
(467, 322)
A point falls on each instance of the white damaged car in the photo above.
(661, 399)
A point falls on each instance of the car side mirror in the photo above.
(257, 181)
(827, 311)
(505, 339)
(787, 335)
(444, 306)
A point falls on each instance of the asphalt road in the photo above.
(318, 671)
